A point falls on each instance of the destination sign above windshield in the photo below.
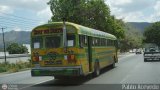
(47, 31)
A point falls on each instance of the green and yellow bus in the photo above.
(85, 50)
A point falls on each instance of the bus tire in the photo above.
(113, 64)
(96, 69)
(60, 77)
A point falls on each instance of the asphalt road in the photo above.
(130, 70)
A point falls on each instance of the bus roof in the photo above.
(82, 30)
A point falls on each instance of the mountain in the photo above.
(141, 26)
(21, 37)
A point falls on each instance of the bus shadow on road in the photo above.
(74, 81)
(106, 69)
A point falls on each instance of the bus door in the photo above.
(89, 39)
(86, 41)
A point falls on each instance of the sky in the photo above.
(24, 15)
(135, 10)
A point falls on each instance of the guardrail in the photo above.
(15, 56)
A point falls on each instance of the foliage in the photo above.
(15, 48)
(91, 13)
(14, 67)
(133, 39)
(152, 34)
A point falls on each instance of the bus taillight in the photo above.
(71, 58)
(36, 58)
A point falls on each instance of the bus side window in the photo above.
(83, 41)
(94, 41)
(105, 42)
(109, 42)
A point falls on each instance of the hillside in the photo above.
(141, 26)
(21, 37)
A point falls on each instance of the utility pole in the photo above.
(4, 45)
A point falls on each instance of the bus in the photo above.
(65, 49)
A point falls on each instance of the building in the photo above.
(2, 54)
(28, 47)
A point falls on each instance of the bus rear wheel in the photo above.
(113, 64)
(96, 70)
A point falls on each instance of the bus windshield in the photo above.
(53, 42)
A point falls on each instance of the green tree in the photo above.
(133, 38)
(152, 34)
(91, 13)
(15, 48)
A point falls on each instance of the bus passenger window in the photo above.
(37, 42)
(83, 41)
(70, 40)
(106, 42)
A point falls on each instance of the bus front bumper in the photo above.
(57, 71)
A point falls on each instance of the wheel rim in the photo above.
(97, 70)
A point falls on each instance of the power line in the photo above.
(13, 22)
(14, 19)
(14, 25)
(22, 28)
(17, 22)
(19, 17)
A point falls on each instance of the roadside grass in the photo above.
(14, 67)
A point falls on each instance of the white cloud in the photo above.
(131, 5)
(39, 8)
(134, 17)
(5, 9)
(119, 2)
(157, 9)
(135, 10)
(45, 13)
(17, 28)
(35, 5)
(155, 16)
(37, 11)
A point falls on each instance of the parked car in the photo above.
(138, 51)
(151, 54)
